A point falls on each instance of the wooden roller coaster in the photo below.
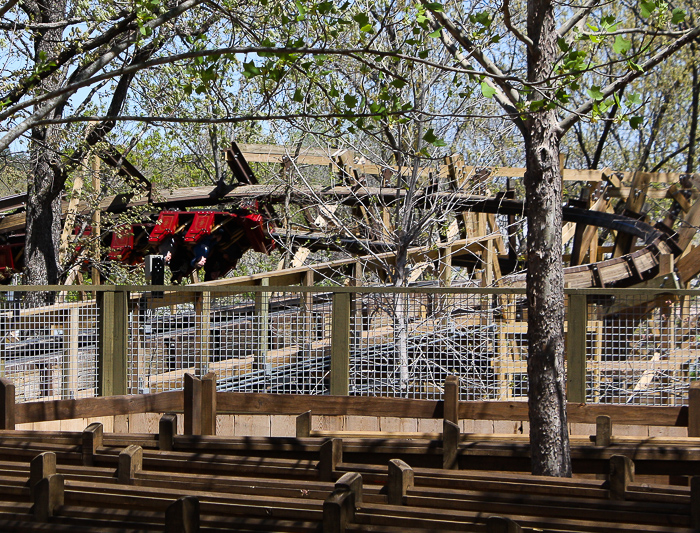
(172, 223)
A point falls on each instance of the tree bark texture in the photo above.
(43, 225)
(549, 437)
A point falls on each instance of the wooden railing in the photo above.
(115, 302)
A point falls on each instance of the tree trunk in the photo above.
(549, 437)
(43, 226)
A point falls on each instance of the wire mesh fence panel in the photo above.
(641, 348)
(405, 345)
(257, 342)
(49, 344)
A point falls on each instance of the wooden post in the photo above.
(202, 313)
(262, 322)
(694, 409)
(351, 481)
(340, 344)
(113, 333)
(450, 442)
(400, 479)
(193, 405)
(576, 347)
(621, 475)
(331, 455)
(500, 524)
(130, 462)
(209, 404)
(167, 429)
(7, 404)
(695, 502)
(182, 516)
(307, 304)
(338, 511)
(603, 430)
(92, 440)
(451, 399)
(69, 385)
(49, 495)
(304, 425)
(40, 467)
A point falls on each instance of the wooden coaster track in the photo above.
(250, 225)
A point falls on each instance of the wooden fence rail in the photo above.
(200, 406)
(115, 303)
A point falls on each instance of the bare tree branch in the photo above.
(578, 16)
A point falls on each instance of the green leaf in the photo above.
(250, 70)
(678, 16)
(362, 19)
(398, 83)
(487, 90)
(634, 99)
(483, 18)
(647, 8)
(435, 34)
(435, 6)
(431, 138)
(622, 45)
(633, 66)
(350, 101)
(595, 93)
(298, 96)
(635, 122)
(563, 45)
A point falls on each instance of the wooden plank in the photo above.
(92, 407)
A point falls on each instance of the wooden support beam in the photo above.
(130, 462)
(209, 404)
(331, 454)
(451, 399)
(621, 475)
(7, 404)
(40, 467)
(92, 440)
(193, 405)
(167, 429)
(450, 443)
(49, 495)
(603, 430)
(303, 425)
(399, 481)
(182, 516)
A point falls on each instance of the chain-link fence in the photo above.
(636, 346)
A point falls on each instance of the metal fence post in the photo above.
(340, 344)
(576, 348)
(113, 335)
